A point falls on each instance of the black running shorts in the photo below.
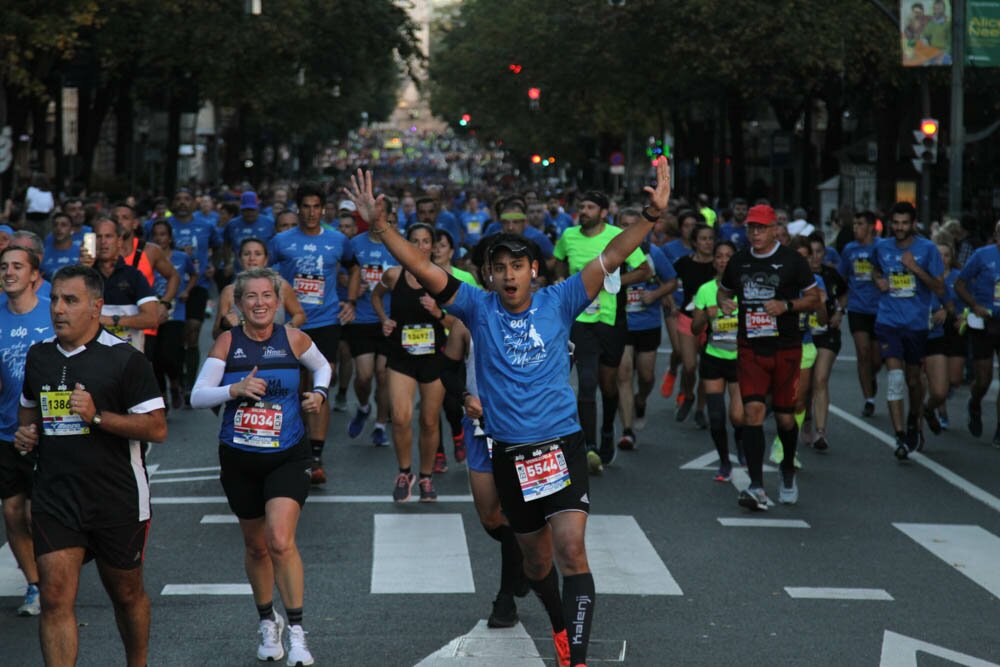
(366, 339)
(529, 517)
(647, 340)
(16, 471)
(121, 547)
(250, 479)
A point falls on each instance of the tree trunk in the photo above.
(887, 131)
(124, 139)
(94, 104)
(735, 109)
(174, 108)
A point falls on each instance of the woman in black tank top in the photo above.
(415, 331)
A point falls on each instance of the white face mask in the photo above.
(613, 282)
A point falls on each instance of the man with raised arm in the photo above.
(522, 366)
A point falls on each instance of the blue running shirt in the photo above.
(309, 264)
(17, 334)
(981, 275)
(855, 266)
(374, 259)
(908, 300)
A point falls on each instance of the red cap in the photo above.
(761, 214)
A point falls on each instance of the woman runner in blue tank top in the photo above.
(254, 370)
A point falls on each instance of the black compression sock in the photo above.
(511, 561)
(587, 410)
(547, 590)
(294, 616)
(405, 471)
(789, 441)
(578, 608)
(266, 611)
(609, 408)
(753, 448)
(317, 448)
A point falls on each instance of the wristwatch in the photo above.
(788, 306)
(115, 319)
(96, 421)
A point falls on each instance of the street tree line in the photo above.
(701, 68)
(300, 73)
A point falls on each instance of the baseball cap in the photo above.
(249, 200)
(761, 214)
(347, 205)
(6, 229)
(515, 246)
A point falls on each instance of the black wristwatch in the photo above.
(788, 306)
(115, 319)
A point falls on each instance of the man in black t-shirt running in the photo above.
(772, 284)
(88, 398)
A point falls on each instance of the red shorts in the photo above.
(684, 327)
(776, 374)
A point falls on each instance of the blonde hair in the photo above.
(244, 277)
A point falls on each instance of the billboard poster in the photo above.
(982, 39)
(925, 32)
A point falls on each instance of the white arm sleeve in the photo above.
(207, 393)
(317, 364)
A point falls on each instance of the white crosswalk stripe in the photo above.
(970, 550)
(421, 553)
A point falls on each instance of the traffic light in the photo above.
(515, 68)
(534, 98)
(536, 159)
(465, 119)
(929, 141)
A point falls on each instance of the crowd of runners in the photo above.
(473, 308)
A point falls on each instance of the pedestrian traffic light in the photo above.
(928, 141)
(465, 119)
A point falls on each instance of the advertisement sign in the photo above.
(925, 32)
(982, 41)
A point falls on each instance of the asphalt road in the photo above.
(917, 540)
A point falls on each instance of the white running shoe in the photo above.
(270, 648)
(32, 604)
(298, 652)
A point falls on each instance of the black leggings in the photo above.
(168, 355)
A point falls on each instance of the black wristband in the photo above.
(649, 216)
(224, 325)
(788, 306)
(450, 287)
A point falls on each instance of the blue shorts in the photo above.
(476, 450)
(900, 343)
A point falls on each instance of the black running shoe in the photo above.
(912, 437)
(504, 614)
(607, 450)
(930, 416)
(684, 409)
(869, 409)
(820, 444)
(902, 451)
(975, 419)
(700, 420)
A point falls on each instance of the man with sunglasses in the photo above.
(772, 284)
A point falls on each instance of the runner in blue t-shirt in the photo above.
(863, 297)
(24, 321)
(736, 231)
(308, 258)
(364, 337)
(674, 250)
(907, 269)
(249, 224)
(979, 285)
(521, 342)
(474, 220)
(644, 321)
(60, 248)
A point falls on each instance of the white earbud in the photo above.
(491, 278)
(533, 274)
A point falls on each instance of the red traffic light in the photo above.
(466, 117)
(536, 159)
(515, 68)
(534, 93)
(929, 127)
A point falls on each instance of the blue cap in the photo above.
(249, 200)
(7, 229)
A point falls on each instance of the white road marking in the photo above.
(219, 518)
(207, 589)
(763, 523)
(152, 468)
(386, 499)
(175, 480)
(972, 550)
(947, 475)
(420, 553)
(624, 561)
(486, 647)
(807, 593)
(710, 461)
(181, 471)
(12, 582)
(901, 651)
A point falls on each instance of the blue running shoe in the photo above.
(357, 424)
(379, 438)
